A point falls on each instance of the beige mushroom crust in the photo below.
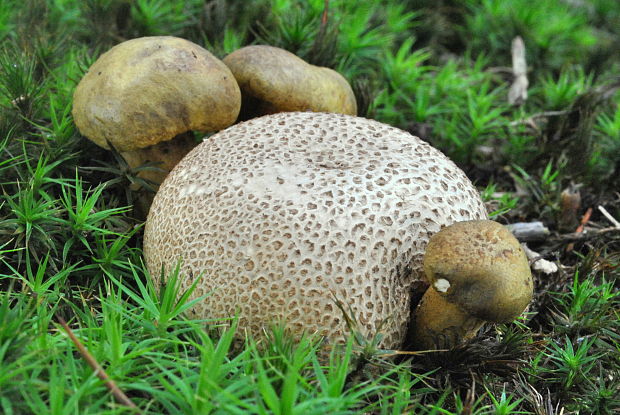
(150, 89)
(281, 81)
(282, 213)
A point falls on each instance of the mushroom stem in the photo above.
(440, 324)
(165, 155)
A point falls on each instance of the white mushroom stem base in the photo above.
(439, 324)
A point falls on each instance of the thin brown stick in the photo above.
(535, 231)
(531, 120)
(324, 15)
(101, 374)
(588, 234)
(412, 352)
(470, 397)
(584, 219)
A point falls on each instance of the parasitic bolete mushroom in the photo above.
(477, 272)
(141, 94)
(280, 214)
(275, 80)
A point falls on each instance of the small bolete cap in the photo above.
(151, 89)
(274, 80)
(477, 272)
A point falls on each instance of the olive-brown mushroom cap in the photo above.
(150, 89)
(480, 267)
(282, 213)
(275, 80)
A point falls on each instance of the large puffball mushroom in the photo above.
(280, 214)
(275, 80)
(144, 92)
(477, 272)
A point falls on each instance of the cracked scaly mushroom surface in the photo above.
(280, 213)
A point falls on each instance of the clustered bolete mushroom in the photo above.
(281, 213)
(141, 94)
(146, 96)
(275, 80)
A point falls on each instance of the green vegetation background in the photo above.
(70, 242)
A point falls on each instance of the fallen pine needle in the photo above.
(584, 219)
(101, 374)
(411, 352)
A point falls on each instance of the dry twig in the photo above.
(588, 234)
(529, 231)
(584, 219)
(101, 374)
(531, 120)
(609, 217)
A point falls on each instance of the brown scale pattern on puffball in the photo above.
(282, 211)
